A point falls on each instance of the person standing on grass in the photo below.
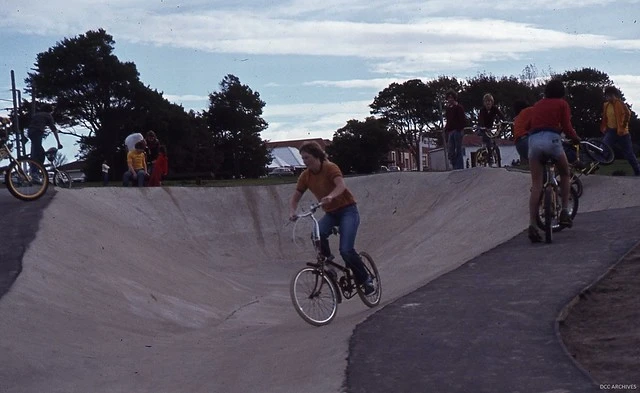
(615, 126)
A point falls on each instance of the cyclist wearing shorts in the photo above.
(549, 118)
(325, 181)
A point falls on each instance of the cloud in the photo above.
(415, 43)
(311, 120)
(630, 87)
(375, 83)
(185, 98)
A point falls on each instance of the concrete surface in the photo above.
(489, 326)
(186, 289)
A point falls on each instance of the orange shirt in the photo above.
(322, 183)
(520, 122)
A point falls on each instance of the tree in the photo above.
(93, 89)
(409, 111)
(505, 91)
(584, 92)
(235, 121)
(361, 146)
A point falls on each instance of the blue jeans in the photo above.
(126, 178)
(522, 147)
(612, 139)
(455, 149)
(347, 219)
(105, 178)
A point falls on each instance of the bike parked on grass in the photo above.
(316, 290)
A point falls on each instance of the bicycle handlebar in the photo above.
(312, 210)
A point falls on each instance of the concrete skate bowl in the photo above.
(186, 289)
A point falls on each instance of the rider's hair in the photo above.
(46, 108)
(554, 89)
(518, 106)
(451, 93)
(314, 149)
(611, 91)
(487, 97)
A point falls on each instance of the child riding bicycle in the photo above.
(545, 142)
(326, 182)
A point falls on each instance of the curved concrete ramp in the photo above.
(186, 289)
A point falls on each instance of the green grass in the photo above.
(616, 166)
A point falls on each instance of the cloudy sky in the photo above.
(318, 64)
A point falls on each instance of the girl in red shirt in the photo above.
(550, 117)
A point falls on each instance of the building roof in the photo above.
(286, 156)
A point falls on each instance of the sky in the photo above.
(318, 64)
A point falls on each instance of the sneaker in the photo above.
(368, 287)
(565, 219)
(534, 234)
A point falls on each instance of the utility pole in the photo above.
(16, 118)
(445, 142)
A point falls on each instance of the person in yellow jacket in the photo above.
(615, 126)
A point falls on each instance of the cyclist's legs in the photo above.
(349, 218)
(325, 225)
(562, 163)
(37, 151)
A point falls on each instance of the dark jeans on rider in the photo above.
(37, 151)
(455, 149)
(126, 178)
(347, 219)
(611, 138)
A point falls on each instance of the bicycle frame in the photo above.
(347, 287)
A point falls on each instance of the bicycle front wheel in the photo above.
(26, 179)
(314, 296)
(372, 299)
(62, 179)
(601, 152)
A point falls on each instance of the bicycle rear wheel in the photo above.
(549, 210)
(62, 179)
(555, 220)
(314, 296)
(372, 299)
(602, 153)
(26, 179)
